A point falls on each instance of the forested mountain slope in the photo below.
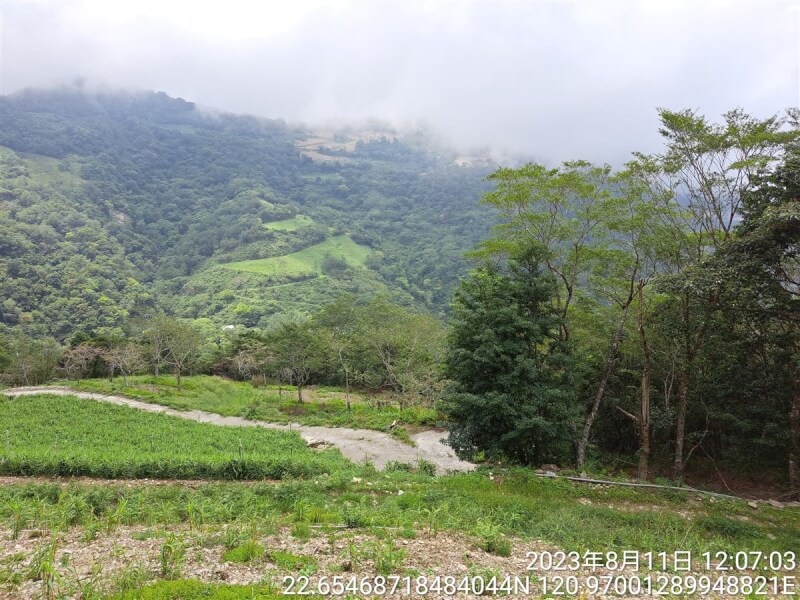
(113, 204)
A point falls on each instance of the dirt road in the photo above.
(356, 444)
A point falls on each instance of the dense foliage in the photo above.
(677, 289)
(510, 391)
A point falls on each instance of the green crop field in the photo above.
(46, 435)
(306, 262)
(290, 224)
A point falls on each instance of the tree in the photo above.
(595, 229)
(508, 367)
(400, 348)
(640, 224)
(711, 167)
(340, 326)
(154, 338)
(78, 359)
(298, 352)
(5, 353)
(760, 268)
(33, 362)
(180, 343)
(559, 210)
(125, 357)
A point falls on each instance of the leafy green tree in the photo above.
(559, 210)
(5, 353)
(760, 268)
(711, 167)
(510, 391)
(33, 361)
(298, 354)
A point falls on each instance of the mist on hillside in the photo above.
(549, 80)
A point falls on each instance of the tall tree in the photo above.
(341, 327)
(508, 366)
(710, 167)
(761, 270)
(558, 209)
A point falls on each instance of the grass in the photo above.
(498, 509)
(244, 553)
(45, 169)
(201, 392)
(189, 589)
(46, 435)
(290, 224)
(306, 262)
(499, 514)
(323, 405)
(518, 504)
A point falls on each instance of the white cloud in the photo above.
(552, 78)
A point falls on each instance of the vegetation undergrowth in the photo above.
(515, 504)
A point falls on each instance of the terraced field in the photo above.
(306, 262)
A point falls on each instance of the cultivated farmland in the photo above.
(69, 436)
(307, 262)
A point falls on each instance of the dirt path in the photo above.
(356, 444)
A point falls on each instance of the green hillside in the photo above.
(114, 205)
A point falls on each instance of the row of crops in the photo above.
(46, 435)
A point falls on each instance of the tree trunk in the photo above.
(794, 452)
(346, 378)
(644, 408)
(611, 358)
(680, 425)
(644, 426)
(179, 377)
(300, 394)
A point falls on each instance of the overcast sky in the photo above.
(554, 79)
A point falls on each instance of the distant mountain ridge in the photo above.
(115, 204)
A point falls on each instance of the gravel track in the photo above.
(358, 445)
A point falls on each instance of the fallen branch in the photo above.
(641, 485)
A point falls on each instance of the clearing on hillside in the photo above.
(306, 262)
(292, 224)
